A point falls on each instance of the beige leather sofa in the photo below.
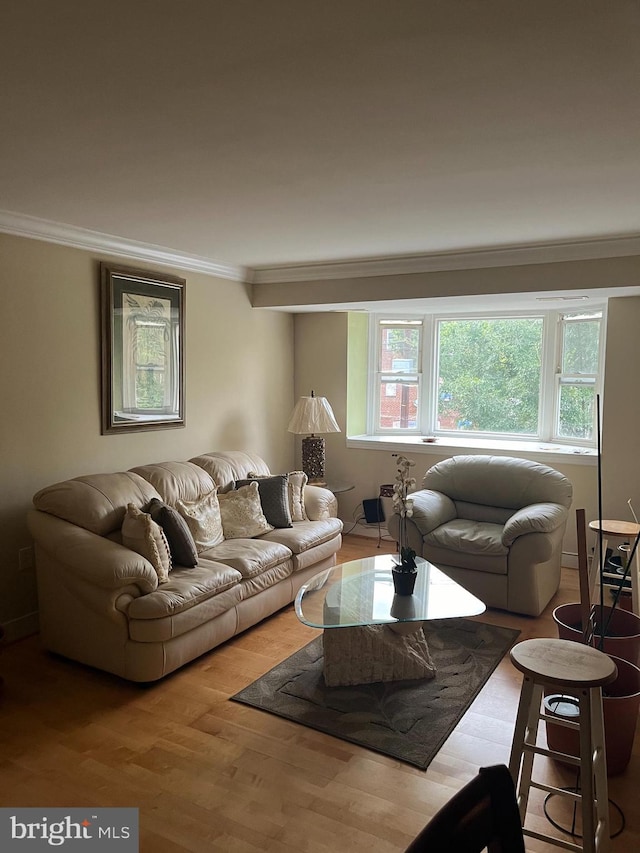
(494, 524)
(100, 603)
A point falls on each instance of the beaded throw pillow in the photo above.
(242, 515)
(141, 534)
(203, 518)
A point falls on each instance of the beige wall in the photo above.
(321, 340)
(621, 411)
(239, 390)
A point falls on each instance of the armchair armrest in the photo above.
(319, 503)
(535, 518)
(431, 509)
(98, 561)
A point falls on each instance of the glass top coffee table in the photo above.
(371, 634)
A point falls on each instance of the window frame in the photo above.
(553, 322)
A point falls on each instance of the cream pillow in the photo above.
(242, 515)
(203, 518)
(297, 482)
(141, 534)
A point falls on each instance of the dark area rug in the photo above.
(408, 720)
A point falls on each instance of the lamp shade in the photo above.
(312, 415)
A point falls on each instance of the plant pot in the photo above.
(620, 705)
(404, 582)
(621, 699)
(623, 637)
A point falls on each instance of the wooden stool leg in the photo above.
(525, 734)
(586, 771)
(601, 787)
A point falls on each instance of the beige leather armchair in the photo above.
(494, 524)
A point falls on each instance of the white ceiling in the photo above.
(262, 133)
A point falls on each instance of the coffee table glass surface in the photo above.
(361, 593)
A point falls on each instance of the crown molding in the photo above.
(21, 225)
(538, 253)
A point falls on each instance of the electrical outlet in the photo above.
(25, 559)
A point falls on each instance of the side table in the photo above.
(338, 486)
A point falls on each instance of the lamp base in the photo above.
(313, 458)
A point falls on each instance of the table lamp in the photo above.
(313, 415)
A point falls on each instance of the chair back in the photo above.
(483, 814)
(501, 481)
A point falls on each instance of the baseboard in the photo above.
(23, 626)
(569, 560)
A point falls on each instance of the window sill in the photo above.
(449, 446)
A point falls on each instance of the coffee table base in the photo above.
(371, 653)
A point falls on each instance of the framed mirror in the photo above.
(142, 318)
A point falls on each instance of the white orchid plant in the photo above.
(403, 505)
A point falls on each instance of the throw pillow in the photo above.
(274, 498)
(181, 544)
(141, 534)
(203, 518)
(297, 482)
(241, 511)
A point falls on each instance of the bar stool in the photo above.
(580, 671)
(628, 530)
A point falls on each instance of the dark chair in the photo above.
(483, 814)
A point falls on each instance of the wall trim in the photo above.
(540, 253)
(21, 225)
(35, 228)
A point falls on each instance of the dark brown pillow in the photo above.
(274, 497)
(181, 542)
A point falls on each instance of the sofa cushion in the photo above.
(181, 543)
(203, 518)
(226, 466)
(250, 557)
(185, 589)
(274, 498)
(241, 513)
(176, 481)
(306, 534)
(97, 502)
(472, 537)
(141, 534)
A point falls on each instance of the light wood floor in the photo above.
(211, 775)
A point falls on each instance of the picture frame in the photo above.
(142, 350)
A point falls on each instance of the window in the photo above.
(527, 376)
(398, 374)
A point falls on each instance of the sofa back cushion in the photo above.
(499, 481)
(227, 466)
(177, 481)
(97, 502)
(482, 512)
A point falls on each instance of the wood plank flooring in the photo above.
(212, 775)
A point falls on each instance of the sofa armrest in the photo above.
(431, 509)
(319, 503)
(93, 558)
(535, 518)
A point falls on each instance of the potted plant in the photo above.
(612, 630)
(405, 568)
